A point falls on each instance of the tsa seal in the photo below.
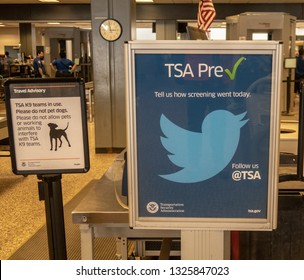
(152, 207)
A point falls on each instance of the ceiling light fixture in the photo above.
(144, 1)
(49, 1)
(53, 23)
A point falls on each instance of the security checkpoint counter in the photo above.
(4, 147)
(103, 213)
(3, 127)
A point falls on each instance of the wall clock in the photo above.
(110, 29)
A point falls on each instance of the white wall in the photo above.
(145, 34)
(9, 36)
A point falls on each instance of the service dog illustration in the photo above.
(56, 134)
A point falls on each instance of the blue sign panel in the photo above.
(203, 124)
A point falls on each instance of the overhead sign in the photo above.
(47, 125)
(203, 134)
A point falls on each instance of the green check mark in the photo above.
(235, 67)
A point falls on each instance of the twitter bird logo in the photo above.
(202, 155)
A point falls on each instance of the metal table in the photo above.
(102, 213)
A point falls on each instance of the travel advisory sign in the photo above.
(47, 126)
(203, 134)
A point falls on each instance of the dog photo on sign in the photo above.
(56, 134)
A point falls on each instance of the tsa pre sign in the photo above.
(203, 136)
(47, 131)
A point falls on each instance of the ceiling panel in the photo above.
(227, 1)
(37, 2)
(157, 1)
(86, 24)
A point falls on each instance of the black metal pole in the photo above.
(300, 134)
(52, 194)
(288, 91)
(300, 157)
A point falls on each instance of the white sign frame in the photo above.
(202, 47)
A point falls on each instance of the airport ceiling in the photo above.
(86, 25)
(155, 1)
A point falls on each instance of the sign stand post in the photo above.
(50, 187)
(47, 127)
(205, 245)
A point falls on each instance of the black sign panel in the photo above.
(47, 125)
